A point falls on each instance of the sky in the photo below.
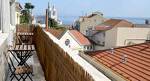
(110, 8)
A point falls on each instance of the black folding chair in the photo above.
(19, 72)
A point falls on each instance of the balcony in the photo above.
(52, 61)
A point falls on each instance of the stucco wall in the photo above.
(110, 39)
(73, 44)
(133, 35)
(90, 22)
(3, 50)
(123, 36)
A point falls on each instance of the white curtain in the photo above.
(5, 15)
(0, 14)
(12, 13)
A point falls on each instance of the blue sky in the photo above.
(110, 8)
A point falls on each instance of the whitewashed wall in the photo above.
(74, 45)
(3, 50)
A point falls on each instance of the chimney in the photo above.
(112, 50)
(148, 39)
(46, 20)
(147, 21)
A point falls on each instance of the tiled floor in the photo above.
(37, 70)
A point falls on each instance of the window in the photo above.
(103, 43)
(67, 42)
(104, 34)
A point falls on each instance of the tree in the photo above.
(25, 16)
(26, 13)
(29, 7)
(52, 23)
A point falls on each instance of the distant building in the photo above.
(116, 32)
(76, 41)
(53, 14)
(88, 22)
(18, 12)
(130, 63)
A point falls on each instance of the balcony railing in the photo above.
(57, 64)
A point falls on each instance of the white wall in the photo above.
(90, 23)
(3, 49)
(135, 35)
(122, 36)
(110, 39)
(73, 44)
(6, 36)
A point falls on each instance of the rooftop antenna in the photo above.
(48, 5)
(124, 58)
(112, 50)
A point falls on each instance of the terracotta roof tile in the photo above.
(56, 32)
(117, 23)
(101, 28)
(80, 37)
(136, 67)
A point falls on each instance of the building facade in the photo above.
(117, 35)
(83, 24)
(18, 12)
(74, 40)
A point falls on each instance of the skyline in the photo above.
(113, 8)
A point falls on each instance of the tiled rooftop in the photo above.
(101, 28)
(131, 62)
(56, 32)
(80, 37)
(117, 23)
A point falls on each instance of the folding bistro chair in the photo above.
(19, 72)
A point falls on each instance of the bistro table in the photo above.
(25, 37)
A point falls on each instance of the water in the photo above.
(68, 20)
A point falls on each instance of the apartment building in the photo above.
(87, 22)
(116, 33)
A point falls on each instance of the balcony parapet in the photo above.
(54, 57)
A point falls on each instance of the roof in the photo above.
(92, 15)
(79, 37)
(56, 32)
(117, 23)
(131, 62)
(101, 28)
